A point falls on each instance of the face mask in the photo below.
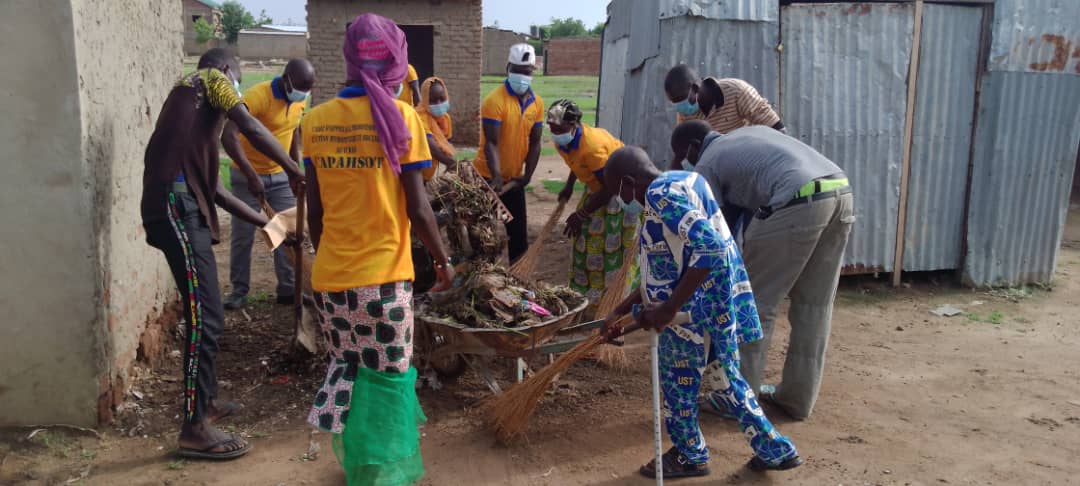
(633, 206)
(520, 83)
(297, 96)
(236, 86)
(400, 88)
(687, 166)
(686, 108)
(564, 139)
(439, 109)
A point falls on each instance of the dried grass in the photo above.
(616, 288)
(508, 414)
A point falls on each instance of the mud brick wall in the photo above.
(458, 49)
(577, 56)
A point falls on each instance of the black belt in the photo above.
(765, 211)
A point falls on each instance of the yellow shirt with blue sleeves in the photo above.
(515, 117)
(587, 153)
(269, 104)
(365, 239)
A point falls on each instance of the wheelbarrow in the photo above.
(449, 347)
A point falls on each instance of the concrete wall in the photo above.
(497, 44)
(578, 56)
(252, 46)
(82, 284)
(458, 46)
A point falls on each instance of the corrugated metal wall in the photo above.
(745, 50)
(941, 142)
(844, 87)
(1036, 36)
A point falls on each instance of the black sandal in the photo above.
(209, 453)
(758, 465)
(675, 466)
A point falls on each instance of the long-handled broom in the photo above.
(614, 357)
(523, 268)
(509, 413)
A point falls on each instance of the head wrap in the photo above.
(377, 55)
(438, 125)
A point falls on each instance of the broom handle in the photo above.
(267, 209)
(657, 437)
(298, 268)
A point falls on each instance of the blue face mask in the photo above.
(564, 139)
(236, 86)
(439, 109)
(687, 166)
(633, 206)
(400, 89)
(520, 83)
(686, 108)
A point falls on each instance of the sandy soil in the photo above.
(990, 397)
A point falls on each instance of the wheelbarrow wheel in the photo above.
(449, 366)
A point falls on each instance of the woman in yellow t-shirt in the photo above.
(600, 229)
(364, 152)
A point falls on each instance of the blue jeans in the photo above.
(280, 197)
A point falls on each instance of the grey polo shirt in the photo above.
(758, 166)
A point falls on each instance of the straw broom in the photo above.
(523, 268)
(614, 357)
(509, 413)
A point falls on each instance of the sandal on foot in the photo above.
(758, 465)
(232, 448)
(675, 466)
(709, 404)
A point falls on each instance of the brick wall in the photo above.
(573, 56)
(458, 49)
(497, 44)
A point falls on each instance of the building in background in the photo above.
(572, 56)
(267, 42)
(497, 44)
(445, 39)
(193, 10)
(972, 173)
(85, 294)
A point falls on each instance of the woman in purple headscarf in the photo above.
(364, 151)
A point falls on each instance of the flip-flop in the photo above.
(224, 409)
(758, 465)
(208, 453)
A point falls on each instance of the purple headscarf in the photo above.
(377, 54)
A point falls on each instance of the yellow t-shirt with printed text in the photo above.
(587, 154)
(515, 119)
(365, 239)
(272, 108)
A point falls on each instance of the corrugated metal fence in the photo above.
(992, 143)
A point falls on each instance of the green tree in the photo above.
(598, 30)
(568, 27)
(234, 18)
(204, 32)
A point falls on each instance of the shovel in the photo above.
(306, 333)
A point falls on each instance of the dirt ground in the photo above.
(991, 396)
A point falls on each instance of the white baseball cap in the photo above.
(522, 55)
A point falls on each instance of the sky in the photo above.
(510, 14)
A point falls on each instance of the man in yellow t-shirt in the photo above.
(278, 104)
(410, 88)
(513, 120)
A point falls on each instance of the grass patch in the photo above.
(177, 465)
(995, 318)
(973, 317)
(554, 186)
(1012, 294)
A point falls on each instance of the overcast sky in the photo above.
(510, 14)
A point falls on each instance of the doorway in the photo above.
(421, 39)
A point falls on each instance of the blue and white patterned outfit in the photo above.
(684, 228)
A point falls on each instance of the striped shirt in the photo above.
(741, 106)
